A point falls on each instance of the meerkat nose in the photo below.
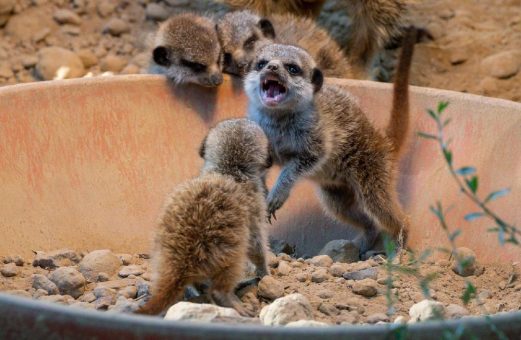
(273, 67)
(216, 79)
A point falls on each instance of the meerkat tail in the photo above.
(399, 124)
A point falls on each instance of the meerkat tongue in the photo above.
(273, 90)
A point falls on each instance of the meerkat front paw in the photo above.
(275, 202)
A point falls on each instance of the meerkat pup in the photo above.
(186, 50)
(319, 132)
(373, 24)
(214, 223)
(309, 8)
(242, 33)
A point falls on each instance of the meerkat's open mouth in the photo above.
(272, 90)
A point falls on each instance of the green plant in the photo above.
(468, 182)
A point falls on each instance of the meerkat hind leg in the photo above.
(257, 252)
(341, 202)
(222, 292)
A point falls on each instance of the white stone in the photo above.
(426, 310)
(282, 311)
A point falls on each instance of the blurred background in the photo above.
(476, 46)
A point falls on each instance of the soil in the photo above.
(332, 297)
(477, 45)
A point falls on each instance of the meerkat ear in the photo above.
(317, 78)
(267, 28)
(161, 56)
(202, 147)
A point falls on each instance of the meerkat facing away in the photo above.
(241, 33)
(321, 133)
(214, 223)
(186, 50)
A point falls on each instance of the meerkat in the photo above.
(319, 132)
(186, 50)
(309, 8)
(242, 33)
(214, 223)
(373, 24)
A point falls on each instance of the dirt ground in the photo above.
(477, 46)
(339, 293)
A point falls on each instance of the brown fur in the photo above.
(310, 8)
(236, 28)
(321, 133)
(187, 50)
(373, 24)
(214, 223)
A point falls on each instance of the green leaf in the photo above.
(469, 293)
(448, 156)
(455, 234)
(473, 216)
(473, 184)
(466, 170)
(442, 106)
(426, 135)
(493, 230)
(501, 236)
(497, 194)
(446, 122)
(433, 114)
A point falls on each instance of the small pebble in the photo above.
(270, 288)
(319, 275)
(377, 317)
(321, 261)
(65, 16)
(328, 309)
(9, 270)
(365, 287)
(283, 269)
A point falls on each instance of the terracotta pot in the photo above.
(87, 163)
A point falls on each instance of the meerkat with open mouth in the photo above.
(214, 223)
(319, 132)
(186, 50)
(242, 33)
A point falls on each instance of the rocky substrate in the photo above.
(476, 46)
(315, 291)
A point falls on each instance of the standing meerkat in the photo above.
(374, 23)
(242, 33)
(214, 223)
(186, 50)
(320, 132)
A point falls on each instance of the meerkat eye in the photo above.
(250, 42)
(293, 69)
(260, 65)
(227, 59)
(196, 67)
